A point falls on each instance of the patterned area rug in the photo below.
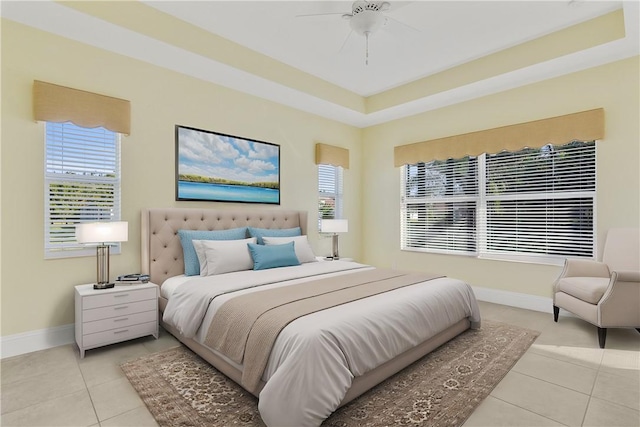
(441, 389)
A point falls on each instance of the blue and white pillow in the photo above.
(191, 263)
(273, 256)
(259, 233)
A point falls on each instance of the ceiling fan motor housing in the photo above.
(361, 6)
(366, 17)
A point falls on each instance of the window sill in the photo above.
(525, 259)
(79, 253)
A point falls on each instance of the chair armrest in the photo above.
(584, 268)
(627, 276)
(619, 304)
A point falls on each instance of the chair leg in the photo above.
(556, 311)
(602, 336)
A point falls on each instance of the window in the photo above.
(531, 205)
(82, 184)
(329, 192)
(440, 206)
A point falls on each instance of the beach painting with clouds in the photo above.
(212, 166)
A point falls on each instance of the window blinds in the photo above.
(82, 182)
(541, 201)
(329, 192)
(439, 206)
(515, 205)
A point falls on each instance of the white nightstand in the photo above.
(108, 316)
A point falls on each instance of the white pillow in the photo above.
(202, 259)
(223, 256)
(300, 245)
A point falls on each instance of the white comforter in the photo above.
(316, 357)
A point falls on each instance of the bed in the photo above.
(321, 360)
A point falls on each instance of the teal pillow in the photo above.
(191, 263)
(259, 233)
(273, 256)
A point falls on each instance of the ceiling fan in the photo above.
(366, 18)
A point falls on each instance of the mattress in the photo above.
(328, 348)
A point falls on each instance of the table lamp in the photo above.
(104, 234)
(334, 226)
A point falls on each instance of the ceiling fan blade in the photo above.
(319, 14)
(407, 26)
(345, 41)
(395, 5)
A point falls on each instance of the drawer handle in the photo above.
(122, 307)
(122, 319)
(121, 332)
(120, 295)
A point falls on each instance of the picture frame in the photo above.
(217, 167)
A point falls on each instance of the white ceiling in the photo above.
(420, 39)
(445, 34)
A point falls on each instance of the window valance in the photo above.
(583, 126)
(58, 104)
(331, 155)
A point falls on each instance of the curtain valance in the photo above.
(331, 155)
(54, 103)
(583, 126)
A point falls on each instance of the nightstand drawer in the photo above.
(120, 334)
(122, 297)
(119, 322)
(118, 310)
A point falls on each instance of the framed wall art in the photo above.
(212, 166)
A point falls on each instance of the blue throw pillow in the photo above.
(191, 263)
(273, 256)
(259, 233)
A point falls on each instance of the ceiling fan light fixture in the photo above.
(366, 18)
(367, 22)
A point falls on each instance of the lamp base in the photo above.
(103, 285)
(334, 250)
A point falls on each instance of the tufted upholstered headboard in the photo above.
(161, 255)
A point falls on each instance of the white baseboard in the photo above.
(42, 339)
(14, 345)
(514, 299)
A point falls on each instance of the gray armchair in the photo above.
(607, 293)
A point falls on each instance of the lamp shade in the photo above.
(334, 226)
(102, 232)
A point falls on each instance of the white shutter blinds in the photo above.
(541, 201)
(82, 183)
(439, 206)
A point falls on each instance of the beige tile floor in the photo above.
(563, 379)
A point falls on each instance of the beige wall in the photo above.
(38, 293)
(615, 87)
